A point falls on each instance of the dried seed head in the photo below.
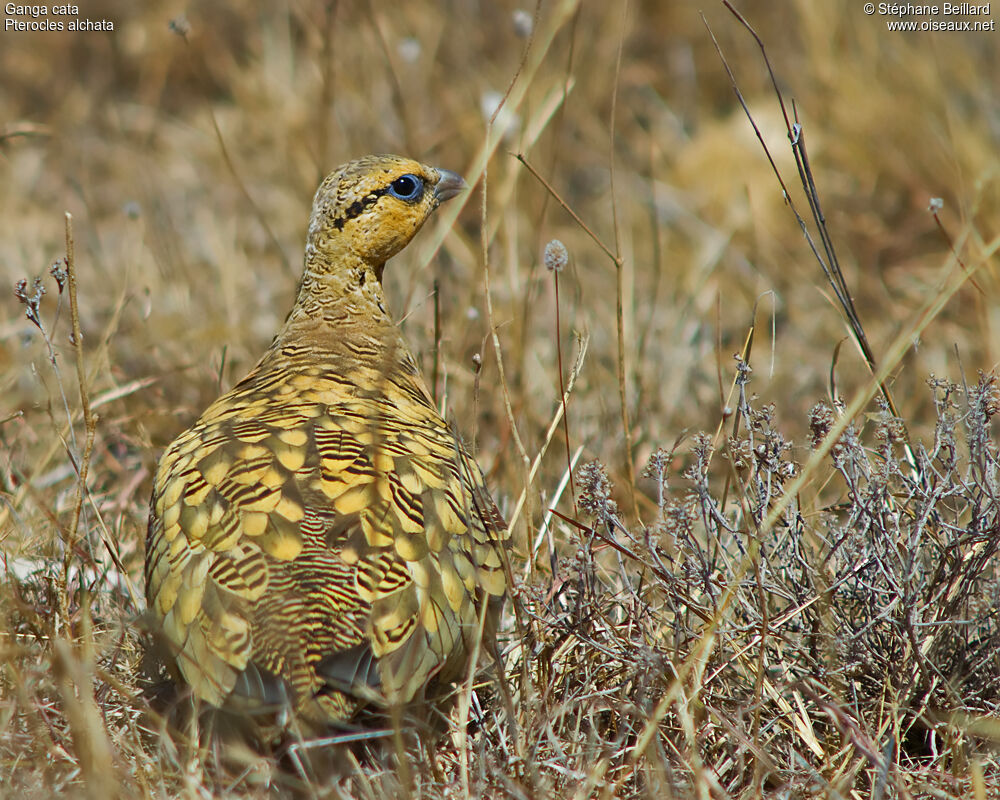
(180, 26)
(33, 301)
(409, 50)
(986, 397)
(556, 256)
(889, 428)
(679, 518)
(743, 370)
(740, 453)
(820, 421)
(595, 491)
(656, 467)
(702, 450)
(493, 106)
(523, 23)
(60, 272)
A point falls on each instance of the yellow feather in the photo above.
(254, 523)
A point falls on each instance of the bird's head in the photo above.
(369, 209)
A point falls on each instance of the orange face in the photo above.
(373, 206)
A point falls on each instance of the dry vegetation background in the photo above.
(687, 645)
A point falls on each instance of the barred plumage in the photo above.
(320, 538)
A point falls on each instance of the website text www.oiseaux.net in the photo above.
(936, 17)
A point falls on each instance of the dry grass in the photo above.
(760, 611)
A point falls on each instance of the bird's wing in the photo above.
(298, 533)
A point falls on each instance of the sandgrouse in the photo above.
(321, 539)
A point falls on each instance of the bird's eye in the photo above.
(407, 187)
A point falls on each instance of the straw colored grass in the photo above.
(762, 582)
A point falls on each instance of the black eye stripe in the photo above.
(411, 191)
(358, 207)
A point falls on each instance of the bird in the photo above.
(321, 540)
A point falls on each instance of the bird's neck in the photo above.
(340, 305)
(340, 289)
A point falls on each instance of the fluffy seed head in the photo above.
(556, 256)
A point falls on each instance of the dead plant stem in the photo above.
(89, 420)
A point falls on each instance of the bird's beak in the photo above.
(448, 185)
